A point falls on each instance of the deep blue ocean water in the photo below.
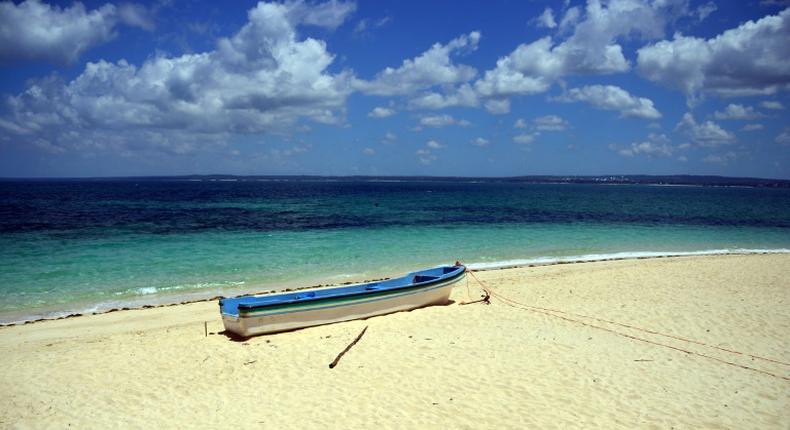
(80, 246)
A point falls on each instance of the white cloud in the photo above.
(550, 123)
(707, 134)
(752, 127)
(432, 144)
(480, 142)
(497, 106)
(546, 19)
(591, 49)
(262, 79)
(425, 156)
(772, 104)
(464, 95)
(442, 121)
(525, 138)
(432, 67)
(531, 68)
(367, 24)
(737, 112)
(704, 10)
(520, 123)
(390, 137)
(656, 145)
(750, 59)
(610, 97)
(369, 151)
(570, 19)
(136, 15)
(330, 14)
(381, 112)
(784, 137)
(511, 77)
(33, 30)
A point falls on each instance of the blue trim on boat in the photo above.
(415, 280)
(388, 297)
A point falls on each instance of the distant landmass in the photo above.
(678, 180)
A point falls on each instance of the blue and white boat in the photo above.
(252, 315)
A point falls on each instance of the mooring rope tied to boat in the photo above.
(514, 304)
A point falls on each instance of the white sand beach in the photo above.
(604, 361)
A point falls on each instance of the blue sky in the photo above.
(456, 88)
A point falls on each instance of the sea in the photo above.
(82, 246)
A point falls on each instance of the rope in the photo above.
(514, 304)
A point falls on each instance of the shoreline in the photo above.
(683, 342)
(475, 267)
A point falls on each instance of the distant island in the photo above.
(668, 180)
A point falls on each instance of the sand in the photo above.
(474, 366)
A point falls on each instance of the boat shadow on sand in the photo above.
(241, 339)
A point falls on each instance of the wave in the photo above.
(186, 293)
(200, 286)
(633, 255)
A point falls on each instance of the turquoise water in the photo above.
(89, 246)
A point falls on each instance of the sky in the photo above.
(377, 87)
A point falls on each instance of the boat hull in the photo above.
(278, 320)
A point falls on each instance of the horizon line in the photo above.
(515, 177)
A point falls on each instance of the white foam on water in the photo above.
(586, 258)
(200, 291)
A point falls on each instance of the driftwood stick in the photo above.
(205, 328)
(339, 356)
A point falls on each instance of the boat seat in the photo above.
(423, 278)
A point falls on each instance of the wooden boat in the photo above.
(252, 315)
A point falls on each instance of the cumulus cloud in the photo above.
(750, 59)
(33, 30)
(442, 121)
(480, 142)
(381, 112)
(432, 67)
(520, 123)
(737, 112)
(656, 145)
(464, 95)
(432, 144)
(368, 151)
(592, 48)
(610, 97)
(531, 68)
(390, 137)
(550, 123)
(525, 138)
(497, 106)
(264, 78)
(570, 19)
(425, 156)
(546, 19)
(706, 134)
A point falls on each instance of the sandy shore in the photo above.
(474, 366)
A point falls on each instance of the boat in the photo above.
(247, 316)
